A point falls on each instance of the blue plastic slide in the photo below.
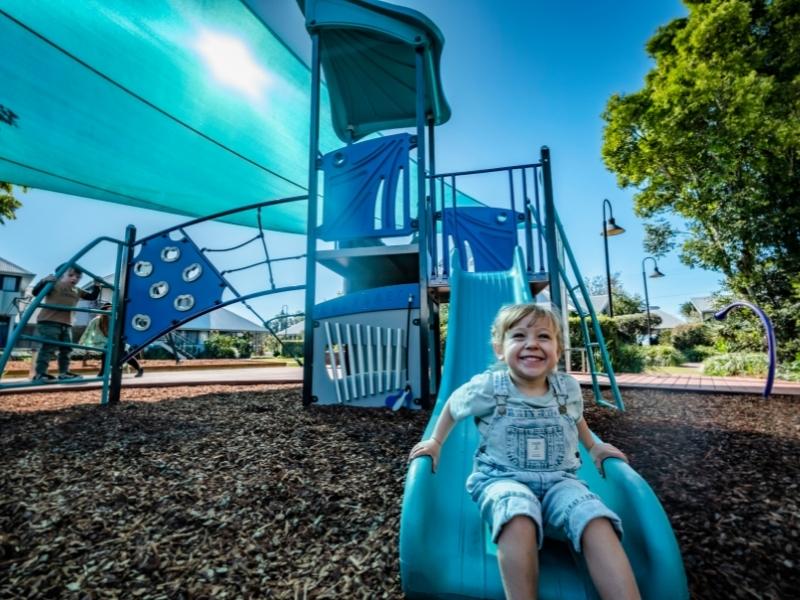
(445, 548)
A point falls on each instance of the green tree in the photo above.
(689, 312)
(8, 203)
(714, 137)
(625, 303)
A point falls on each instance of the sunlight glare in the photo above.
(232, 63)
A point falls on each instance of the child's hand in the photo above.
(430, 447)
(600, 451)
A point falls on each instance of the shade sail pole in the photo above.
(311, 225)
(428, 379)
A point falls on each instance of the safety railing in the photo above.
(508, 216)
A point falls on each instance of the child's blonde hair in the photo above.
(509, 315)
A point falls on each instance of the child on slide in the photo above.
(530, 419)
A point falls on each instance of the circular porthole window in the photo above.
(140, 322)
(339, 159)
(143, 268)
(192, 272)
(184, 302)
(159, 290)
(170, 254)
(502, 218)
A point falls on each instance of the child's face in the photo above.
(71, 277)
(530, 349)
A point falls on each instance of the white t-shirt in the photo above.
(476, 398)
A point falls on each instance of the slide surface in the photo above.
(445, 548)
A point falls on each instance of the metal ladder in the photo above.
(584, 315)
(590, 316)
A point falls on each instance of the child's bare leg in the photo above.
(608, 565)
(519, 560)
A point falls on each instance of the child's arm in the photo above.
(599, 451)
(433, 446)
(42, 282)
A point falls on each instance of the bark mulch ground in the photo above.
(220, 492)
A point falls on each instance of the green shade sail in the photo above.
(180, 106)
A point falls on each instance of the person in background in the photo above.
(96, 334)
(56, 323)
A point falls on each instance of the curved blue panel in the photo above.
(361, 190)
(390, 297)
(164, 274)
(490, 233)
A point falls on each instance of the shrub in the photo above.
(290, 350)
(691, 335)
(699, 353)
(661, 356)
(631, 327)
(222, 345)
(627, 358)
(790, 371)
(737, 363)
(624, 357)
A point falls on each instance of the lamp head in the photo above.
(656, 273)
(612, 228)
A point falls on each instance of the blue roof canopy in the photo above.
(368, 51)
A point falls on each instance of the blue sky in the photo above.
(518, 74)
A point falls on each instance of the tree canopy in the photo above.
(625, 303)
(714, 137)
(8, 203)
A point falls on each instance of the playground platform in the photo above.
(238, 375)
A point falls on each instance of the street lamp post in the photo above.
(656, 273)
(610, 227)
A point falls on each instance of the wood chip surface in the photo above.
(224, 492)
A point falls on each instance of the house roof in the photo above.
(703, 304)
(9, 268)
(668, 320)
(296, 329)
(222, 320)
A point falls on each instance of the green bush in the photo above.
(699, 353)
(290, 350)
(790, 371)
(222, 345)
(627, 358)
(690, 335)
(737, 363)
(631, 327)
(661, 356)
(624, 357)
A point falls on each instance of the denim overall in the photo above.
(526, 464)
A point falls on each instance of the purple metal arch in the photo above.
(720, 315)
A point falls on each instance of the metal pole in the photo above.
(118, 320)
(427, 370)
(646, 296)
(432, 192)
(608, 268)
(311, 227)
(550, 231)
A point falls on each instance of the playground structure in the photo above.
(404, 240)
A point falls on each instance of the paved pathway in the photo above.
(252, 376)
(695, 383)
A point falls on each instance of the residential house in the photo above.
(13, 282)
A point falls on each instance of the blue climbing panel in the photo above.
(488, 234)
(170, 282)
(361, 190)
